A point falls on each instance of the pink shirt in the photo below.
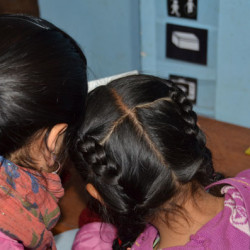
(95, 236)
(227, 230)
(8, 243)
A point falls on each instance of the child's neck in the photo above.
(200, 211)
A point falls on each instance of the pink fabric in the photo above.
(95, 236)
(227, 230)
(8, 243)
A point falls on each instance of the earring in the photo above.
(58, 168)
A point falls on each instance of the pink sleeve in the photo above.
(245, 173)
(95, 236)
(8, 243)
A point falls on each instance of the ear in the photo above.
(54, 134)
(93, 192)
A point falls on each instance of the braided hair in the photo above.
(139, 143)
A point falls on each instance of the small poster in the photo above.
(182, 8)
(186, 43)
(187, 84)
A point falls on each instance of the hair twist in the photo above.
(97, 161)
(93, 163)
(205, 172)
(158, 146)
(186, 110)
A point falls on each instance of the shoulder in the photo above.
(146, 239)
(240, 182)
(238, 186)
(95, 236)
(7, 243)
(245, 174)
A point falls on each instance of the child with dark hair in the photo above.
(43, 87)
(146, 164)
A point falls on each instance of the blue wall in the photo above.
(224, 83)
(113, 33)
(107, 31)
(154, 16)
(233, 82)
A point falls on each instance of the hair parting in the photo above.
(140, 147)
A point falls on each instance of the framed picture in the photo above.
(186, 43)
(182, 8)
(187, 84)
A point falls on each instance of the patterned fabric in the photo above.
(28, 205)
(238, 213)
(227, 230)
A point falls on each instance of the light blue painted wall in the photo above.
(107, 31)
(112, 34)
(233, 82)
(154, 17)
(224, 83)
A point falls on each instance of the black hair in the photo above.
(139, 143)
(43, 81)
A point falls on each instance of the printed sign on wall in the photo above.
(186, 43)
(187, 84)
(182, 8)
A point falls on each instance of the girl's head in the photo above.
(43, 86)
(140, 149)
